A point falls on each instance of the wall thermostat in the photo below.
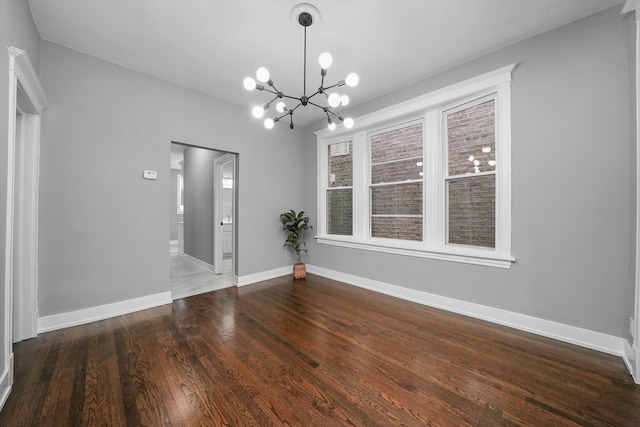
(150, 175)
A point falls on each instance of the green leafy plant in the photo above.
(295, 224)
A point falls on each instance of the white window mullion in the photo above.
(432, 177)
(323, 171)
(360, 186)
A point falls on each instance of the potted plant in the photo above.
(296, 224)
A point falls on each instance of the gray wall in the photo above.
(16, 29)
(103, 229)
(198, 201)
(174, 216)
(571, 174)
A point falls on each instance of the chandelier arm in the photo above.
(319, 106)
(267, 104)
(334, 114)
(274, 87)
(317, 92)
(332, 86)
(270, 91)
(290, 97)
(294, 108)
(281, 117)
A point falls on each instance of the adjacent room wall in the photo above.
(571, 192)
(198, 202)
(103, 228)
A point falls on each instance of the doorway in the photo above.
(202, 220)
(20, 315)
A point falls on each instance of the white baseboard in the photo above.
(583, 337)
(88, 315)
(262, 276)
(6, 381)
(631, 356)
(205, 265)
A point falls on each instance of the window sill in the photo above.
(465, 255)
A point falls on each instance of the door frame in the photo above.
(27, 96)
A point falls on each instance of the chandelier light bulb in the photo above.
(249, 83)
(333, 100)
(262, 74)
(352, 80)
(348, 123)
(281, 107)
(344, 100)
(268, 123)
(325, 60)
(331, 126)
(258, 112)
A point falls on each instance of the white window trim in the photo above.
(431, 106)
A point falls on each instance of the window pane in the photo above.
(341, 164)
(402, 143)
(397, 171)
(404, 228)
(471, 136)
(396, 161)
(472, 211)
(397, 199)
(340, 212)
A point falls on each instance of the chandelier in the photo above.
(333, 99)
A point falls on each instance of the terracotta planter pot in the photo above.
(299, 271)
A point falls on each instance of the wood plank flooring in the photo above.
(311, 352)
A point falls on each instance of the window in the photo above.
(396, 186)
(340, 188)
(430, 177)
(471, 168)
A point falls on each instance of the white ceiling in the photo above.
(211, 45)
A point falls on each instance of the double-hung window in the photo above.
(396, 182)
(430, 177)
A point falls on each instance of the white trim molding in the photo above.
(6, 381)
(249, 279)
(28, 79)
(106, 311)
(27, 97)
(630, 6)
(193, 260)
(632, 351)
(566, 333)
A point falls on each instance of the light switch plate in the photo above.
(150, 175)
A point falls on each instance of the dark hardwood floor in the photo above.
(311, 352)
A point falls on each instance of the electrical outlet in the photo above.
(632, 327)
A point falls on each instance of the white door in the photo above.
(224, 215)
